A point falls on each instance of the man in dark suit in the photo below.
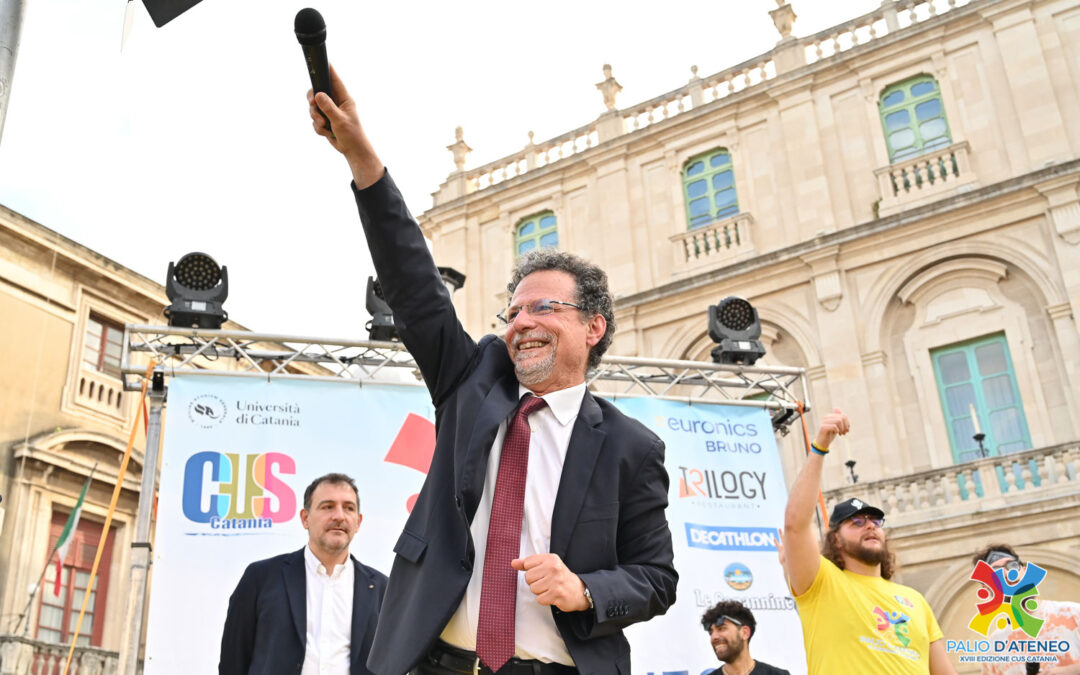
(311, 611)
(540, 531)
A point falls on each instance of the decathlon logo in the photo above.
(730, 538)
(207, 411)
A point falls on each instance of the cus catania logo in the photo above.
(207, 411)
(234, 492)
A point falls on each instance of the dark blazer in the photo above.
(608, 523)
(266, 627)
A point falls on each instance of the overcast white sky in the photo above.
(196, 135)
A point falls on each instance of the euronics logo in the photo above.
(730, 538)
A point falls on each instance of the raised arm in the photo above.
(345, 134)
(800, 544)
(423, 312)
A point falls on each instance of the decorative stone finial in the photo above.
(530, 138)
(783, 18)
(459, 148)
(609, 87)
(693, 74)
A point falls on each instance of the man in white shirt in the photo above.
(540, 532)
(312, 611)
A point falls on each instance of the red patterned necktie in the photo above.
(498, 593)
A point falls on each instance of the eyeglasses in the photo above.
(536, 308)
(719, 622)
(861, 521)
(1013, 565)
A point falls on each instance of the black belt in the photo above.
(467, 663)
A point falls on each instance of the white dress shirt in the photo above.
(329, 617)
(536, 636)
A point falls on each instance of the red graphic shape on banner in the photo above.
(683, 490)
(413, 447)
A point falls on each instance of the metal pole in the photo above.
(140, 545)
(11, 15)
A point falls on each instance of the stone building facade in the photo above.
(64, 414)
(897, 196)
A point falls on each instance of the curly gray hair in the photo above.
(591, 294)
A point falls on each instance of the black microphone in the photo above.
(311, 34)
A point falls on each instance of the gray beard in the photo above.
(536, 372)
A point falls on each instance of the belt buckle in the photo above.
(476, 666)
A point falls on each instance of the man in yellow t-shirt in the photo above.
(854, 619)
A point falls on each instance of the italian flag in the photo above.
(67, 535)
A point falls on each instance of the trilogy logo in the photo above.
(730, 538)
(236, 494)
(207, 411)
(1007, 599)
(721, 484)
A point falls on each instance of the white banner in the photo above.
(238, 453)
(727, 502)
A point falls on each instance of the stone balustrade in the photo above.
(890, 17)
(971, 487)
(912, 181)
(23, 656)
(102, 393)
(722, 242)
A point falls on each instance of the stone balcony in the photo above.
(921, 179)
(721, 243)
(972, 488)
(23, 656)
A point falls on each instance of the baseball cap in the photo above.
(849, 508)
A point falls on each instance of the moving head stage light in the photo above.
(381, 327)
(197, 287)
(734, 324)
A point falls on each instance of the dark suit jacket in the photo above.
(266, 627)
(608, 523)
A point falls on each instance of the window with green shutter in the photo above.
(536, 231)
(709, 188)
(913, 118)
(978, 390)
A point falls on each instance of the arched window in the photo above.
(709, 188)
(913, 118)
(536, 231)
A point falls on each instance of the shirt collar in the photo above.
(564, 404)
(315, 566)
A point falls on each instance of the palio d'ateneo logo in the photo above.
(1007, 599)
(236, 492)
(207, 411)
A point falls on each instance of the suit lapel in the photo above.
(495, 408)
(360, 607)
(295, 588)
(581, 455)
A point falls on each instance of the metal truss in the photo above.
(781, 390)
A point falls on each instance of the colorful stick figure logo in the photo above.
(897, 620)
(1007, 599)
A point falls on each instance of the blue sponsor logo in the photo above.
(730, 538)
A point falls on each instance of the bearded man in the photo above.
(731, 625)
(854, 618)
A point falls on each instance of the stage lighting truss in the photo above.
(780, 390)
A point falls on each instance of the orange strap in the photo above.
(109, 515)
(806, 439)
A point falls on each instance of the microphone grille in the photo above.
(309, 24)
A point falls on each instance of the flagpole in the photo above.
(44, 569)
